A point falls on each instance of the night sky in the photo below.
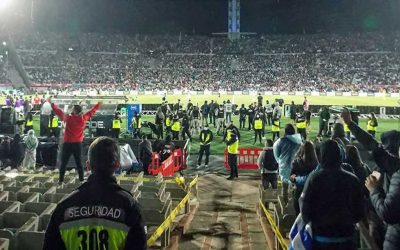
(207, 16)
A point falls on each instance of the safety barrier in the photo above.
(174, 163)
(169, 220)
(247, 158)
(274, 227)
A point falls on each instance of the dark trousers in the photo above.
(251, 122)
(302, 132)
(242, 122)
(232, 162)
(27, 128)
(228, 117)
(269, 178)
(257, 132)
(175, 135)
(372, 133)
(115, 132)
(53, 132)
(186, 131)
(145, 165)
(44, 125)
(269, 118)
(323, 128)
(296, 197)
(204, 119)
(160, 129)
(137, 133)
(69, 149)
(212, 116)
(275, 135)
(204, 149)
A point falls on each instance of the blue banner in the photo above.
(131, 109)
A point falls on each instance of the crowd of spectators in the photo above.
(3, 71)
(350, 62)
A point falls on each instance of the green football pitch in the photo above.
(247, 137)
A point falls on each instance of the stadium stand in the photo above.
(27, 201)
(367, 62)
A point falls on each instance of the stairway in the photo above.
(226, 218)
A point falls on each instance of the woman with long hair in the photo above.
(306, 161)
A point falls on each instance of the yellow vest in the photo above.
(346, 128)
(176, 126)
(301, 124)
(275, 126)
(258, 124)
(137, 124)
(53, 123)
(168, 122)
(116, 123)
(205, 138)
(370, 127)
(228, 134)
(234, 148)
(29, 123)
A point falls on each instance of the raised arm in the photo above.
(362, 136)
(91, 112)
(58, 111)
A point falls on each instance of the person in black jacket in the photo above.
(385, 154)
(99, 213)
(206, 137)
(242, 117)
(269, 167)
(250, 113)
(332, 202)
(17, 151)
(306, 161)
(145, 153)
(186, 126)
(387, 206)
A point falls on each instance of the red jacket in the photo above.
(74, 124)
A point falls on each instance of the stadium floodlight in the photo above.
(4, 44)
(4, 4)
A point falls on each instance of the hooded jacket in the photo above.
(332, 197)
(388, 209)
(285, 150)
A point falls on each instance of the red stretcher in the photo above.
(174, 163)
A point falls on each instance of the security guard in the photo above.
(233, 151)
(372, 124)
(168, 124)
(231, 128)
(347, 131)
(176, 128)
(137, 125)
(301, 125)
(116, 125)
(275, 128)
(99, 214)
(53, 125)
(258, 126)
(28, 123)
(206, 137)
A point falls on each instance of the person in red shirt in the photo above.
(73, 136)
(36, 103)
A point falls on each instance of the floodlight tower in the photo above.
(233, 19)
